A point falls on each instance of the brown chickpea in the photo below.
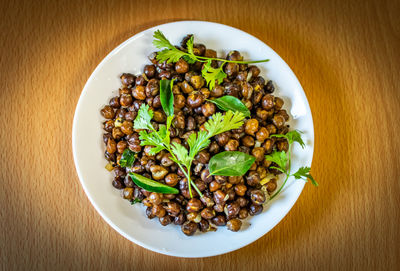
(118, 183)
(203, 157)
(220, 179)
(219, 220)
(194, 205)
(147, 203)
(108, 125)
(257, 197)
(107, 112)
(149, 71)
(219, 207)
(158, 172)
(111, 146)
(159, 116)
(232, 145)
(120, 113)
(251, 127)
(208, 109)
(223, 138)
(218, 91)
(235, 179)
(262, 114)
(232, 89)
(166, 160)
(149, 213)
(121, 146)
(234, 224)
(127, 127)
(127, 79)
(200, 185)
(124, 90)
(282, 145)
(204, 225)
(137, 104)
(158, 210)
(205, 176)
(243, 213)
(242, 201)
(139, 93)
(214, 147)
(119, 172)
(180, 219)
(262, 134)
(127, 193)
(152, 88)
(194, 100)
(242, 76)
(186, 87)
(248, 141)
(219, 196)
(247, 91)
(255, 209)
(114, 102)
(262, 172)
(207, 213)
(268, 102)
(240, 190)
(278, 103)
(179, 121)
(155, 198)
(173, 208)
(197, 81)
(157, 102)
(253, 166)
(284, 114)
(181, 66)
(163, 74)
(231, 69)
(125, 100)
(271, 186)
(214, 186)
(269, 87)
(253, 178)
(258, 153)
(278, 121)
(268, 145)
(193, 216)
(130, 115)
(232, 209)
(171, 179)
(140, 81)
(165, 220)
(189, 228)
(207, 201)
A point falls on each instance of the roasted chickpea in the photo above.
(262, 114)
(240, 189)
(248, 141)
(257, 197)
(114, 102)
(219, 207)
(158, 210)
(232, 89)
(207, 200)
(232, 209)
(223, 138)
(255, 209)
(268, 145)
(107, 112)
(152, 89)
(207, 213)
(173, 208)
(194, 205)
(235, 179)
(108, 125)
(195, 100)
(140, 81)
(268, 102)
(208, 109)
(217, 91)
(283, 145)
(271, 186)
(251, 127)
(127, 193)
(127, 79)
(158, 172)
(149, 213)
(204, 225)
(219, 196)
(127, 127)
(197, 81)
(203, 157)
(186, 87)
(243, 213)
(232, 145)
(179, 121)
(234, 224)
(278, 121)
(139, 93)
(159, 116)
(155, 198)
(220, 179)
(157, 102)
(121, 146)
(130, 115)
(149, 71)
(165, 220)
(262, 134)
(242, 201)
(253, 178)
(214, 147)
(219, 220)
(214, 186)
(231, 69)
(278, 103)
(111, 146)
(180, 219)
(269, 87)
(118, 183)
(258, 153)
(189, 228)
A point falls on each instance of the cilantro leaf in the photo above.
(170, 55)
(197, 142)
(143, 119)
(219, 123)
(181, 153)
(211, 74)
(304, 174)
(127, 158)
(160, 41)
(280, 158)
(293, 136)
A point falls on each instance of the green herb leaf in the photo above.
(293, 136)
(230, 163)
(219, 123)
(151, 185)
(198, 142)
(127, 158)
(143, 119)
(304, 174)
(160, 41)
(166, 96)
(231, 103)
(134, 201)
(181, 153)
(280, 158)
(170, 55)
(213, 74)
(189, 45)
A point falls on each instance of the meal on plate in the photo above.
(199, 140)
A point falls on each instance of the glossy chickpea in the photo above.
(190, 123)
(232, 209)
(248, 141)
(107, 112)
(186, 87)
(255, 209)
(262, 113)
(114, 102)
(257, 197)
(127, 127)
(205, 93)
(220, 179)
(127, 193)
(140, 81)
(268, 102)
(214, 186)
(262, 134)
(278, 103)
(120, 113)
(202, 157)
(243, 213)
(149, 213)
(268, 145)
(219, 207)
(200, 185)
(165, 220)
(219, 220)
(193, 216)
(235, 179)
(194, 100)
(207, 213)
(155, 198)
(157, 102)
(205, 176)
(284, 114)
(189, 228)
(231, 69)
(139, 93)
(118, 183)
(278, 121)
(232, 89)
(282, 145)
(269, 87)
(130, 115)
(194, 205)
(220, 197)
(253, 178)
(152, 88)
(173, 208)
(179, 219)
(222, 139)
(158, 210)
(258, 153)
(127, 79)
(242, 201)
(271, 186)
(214, 147)
(204, 225)
(172, 179)
(159, 116)
(158, 172)
(179, 121)
(111, 146)
(251, 127)
(197, 81)
(108, 125)
(240, 189)
(218, 91)
(232, 145)
(207, 200)
(124, 90)
(121, 146)
(208, 109)
(234, 225)
(149, 71)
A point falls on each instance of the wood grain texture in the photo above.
(346, 56)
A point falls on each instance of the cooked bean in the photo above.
(208, 109)
(195, 100)
(149, 71)
(255, 209)
(251, 127)
(243, 213)
(219, 220)
(127, 79)
(139, 93)
(232, 145)
(158, 172)
(194, 205)
(234, 224)
(189, 228)
(107, 112)
(253, 178)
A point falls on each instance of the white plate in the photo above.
(130, 221)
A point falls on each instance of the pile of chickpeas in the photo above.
(226, 200)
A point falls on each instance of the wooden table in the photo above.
(346, 56)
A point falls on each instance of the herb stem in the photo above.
(232, 61)
(287, 174)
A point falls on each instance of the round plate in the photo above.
(88, 148)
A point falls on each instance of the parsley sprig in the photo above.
(160, 139)
(283, 161)
(170, 53)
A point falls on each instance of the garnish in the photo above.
(127, 158)
(230, 163)
(160, 139)
(166, 96)
(231, 103)
(134, 201)
(151, 185)
(170, 53)
(283, 161)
